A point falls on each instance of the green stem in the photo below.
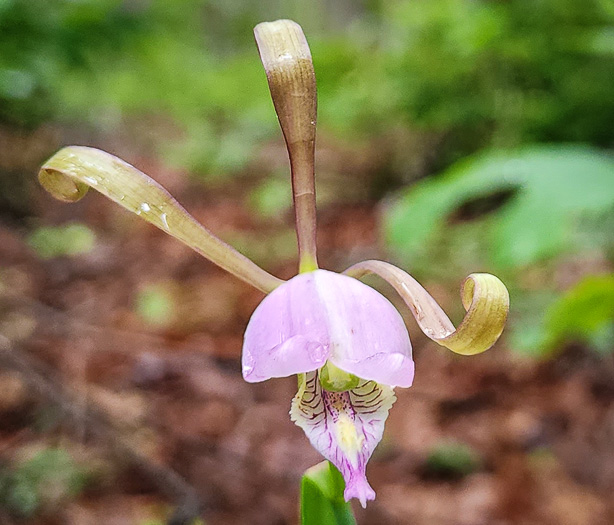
(322, 501)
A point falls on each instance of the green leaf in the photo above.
(585, 313)
(452, 459)
(548, 189)
(271, 198)
(65, 240)
(322, 501)
(155, 305)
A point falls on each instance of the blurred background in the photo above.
(454, 136)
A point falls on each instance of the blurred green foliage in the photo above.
(42, 482)
(155, 306)
(503, 73)
(464, 74)
(540, 194)
(61, 241)
(271, 198)
(585, 314)
(510, 211)
(452, 459)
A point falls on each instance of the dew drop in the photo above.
(164, 221)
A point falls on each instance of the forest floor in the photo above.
(158, 415)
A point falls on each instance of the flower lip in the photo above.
(323, 315)
(345, 427)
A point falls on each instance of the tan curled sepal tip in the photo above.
(68, 174)
(484, 297)
(61, 187)
(487, 303)
(281, 42)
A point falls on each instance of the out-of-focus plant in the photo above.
(460, 75)
(502, 73)
(540, 194)
(43, 44)
(59, 241)
(41, 483)
(452, 459)
(585, 313)
(107, 62)
(271, 198)
(525, 207)
(154, 305)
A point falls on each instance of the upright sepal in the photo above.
(287, 61)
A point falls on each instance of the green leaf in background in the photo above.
(585, 313)
(65, 240)
(322, 500)
(546, 191)
(45, 481)
(272, 197)
(452, 459)
(155, 306)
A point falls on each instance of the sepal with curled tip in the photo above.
(69, 174)
(484, 297)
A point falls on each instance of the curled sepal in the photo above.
(484, 297)
(287, 61)
(68, 174)
(345, 427)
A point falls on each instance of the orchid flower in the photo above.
(346, 342)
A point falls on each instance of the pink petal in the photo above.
(287, 334)
(324, 315)
(368, 336)
(345, 427)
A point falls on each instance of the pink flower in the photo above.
(319, 319)
(347, 343)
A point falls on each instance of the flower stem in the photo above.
(322, 501)
(287, 61)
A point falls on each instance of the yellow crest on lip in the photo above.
(348, 439)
